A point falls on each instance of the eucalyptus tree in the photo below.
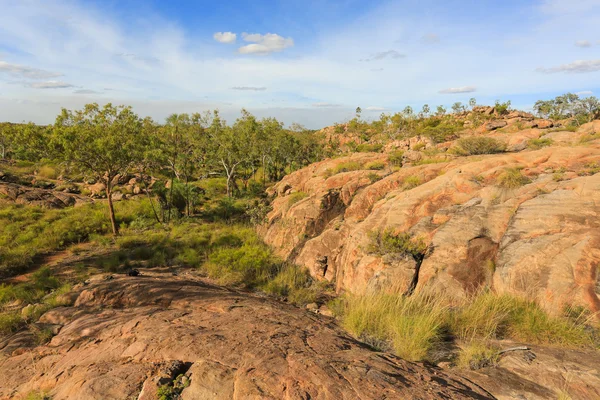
(104, 141)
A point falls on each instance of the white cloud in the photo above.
(585, 93)
(583, 43)
(49, 85)
(250, 88)
(264, 44)
(225, 37)
(456, 90)
(393, 54)
(26, 72)
(374, 108)
(576, 67)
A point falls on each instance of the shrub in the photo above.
(47, 171)
(476, 355)
(512, 178)
(373, 177)
(347, 167)
(10, 322)
(475, 145)
(250, 265)
(389, 242)
(395, 157)
(536, 144)
(375, 165)
(296, 197)
(295, 283)
(369, 148)
(411, 182)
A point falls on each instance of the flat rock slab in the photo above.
(125, 337)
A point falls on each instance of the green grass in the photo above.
(395, 157)
(296, 197)
(476, 145)
(411, 326)
(414, 326)
(411, 182)
(32, 231)
(476, 355)
(375, 165)
(512, 178)
(347, 167)
(536, 144)
(295, 284)
(369, 148)
(389, 242)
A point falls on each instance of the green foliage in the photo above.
(389, 242)
(395, 157)
(474, 145)
(10, 322)
(47, 171)
(411, 182)
(347, 167)
(413, 325)
(251, 264)
(476, 355)
(569, 105)
(537, 144)
(373, 177)
(512, 178)
(296, 197)
(369, 148)
(295, 284)
(502, 108)
(375, 165)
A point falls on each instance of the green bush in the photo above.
(475, 145)
(347, 167)
(389, 242)
(369, 148)
(375, 165)
(250, 265)
(296, 197)
(536, 144)
(512, 178)
(395, 157)
(411, 182)
(294, 283)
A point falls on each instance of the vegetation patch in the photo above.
(512, 178)
(476, 145)
(375, 165)
(296, 197)
(411, 182)
(536, 144)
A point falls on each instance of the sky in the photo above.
(306, 61)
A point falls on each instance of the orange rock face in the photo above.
(540, 238)
(126, 337)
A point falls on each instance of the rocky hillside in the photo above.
(159, 334)
(524, 220)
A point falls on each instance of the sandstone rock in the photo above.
(520, 241)
(228, 344)
(542, 124)
(40, 197)
(491, 126)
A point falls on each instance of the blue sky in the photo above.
(310, 61)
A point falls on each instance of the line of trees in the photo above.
(111, 141)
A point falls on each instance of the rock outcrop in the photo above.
(46, 198)
(126, 337)
(541, 239)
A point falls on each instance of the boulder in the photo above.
(491, 126)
